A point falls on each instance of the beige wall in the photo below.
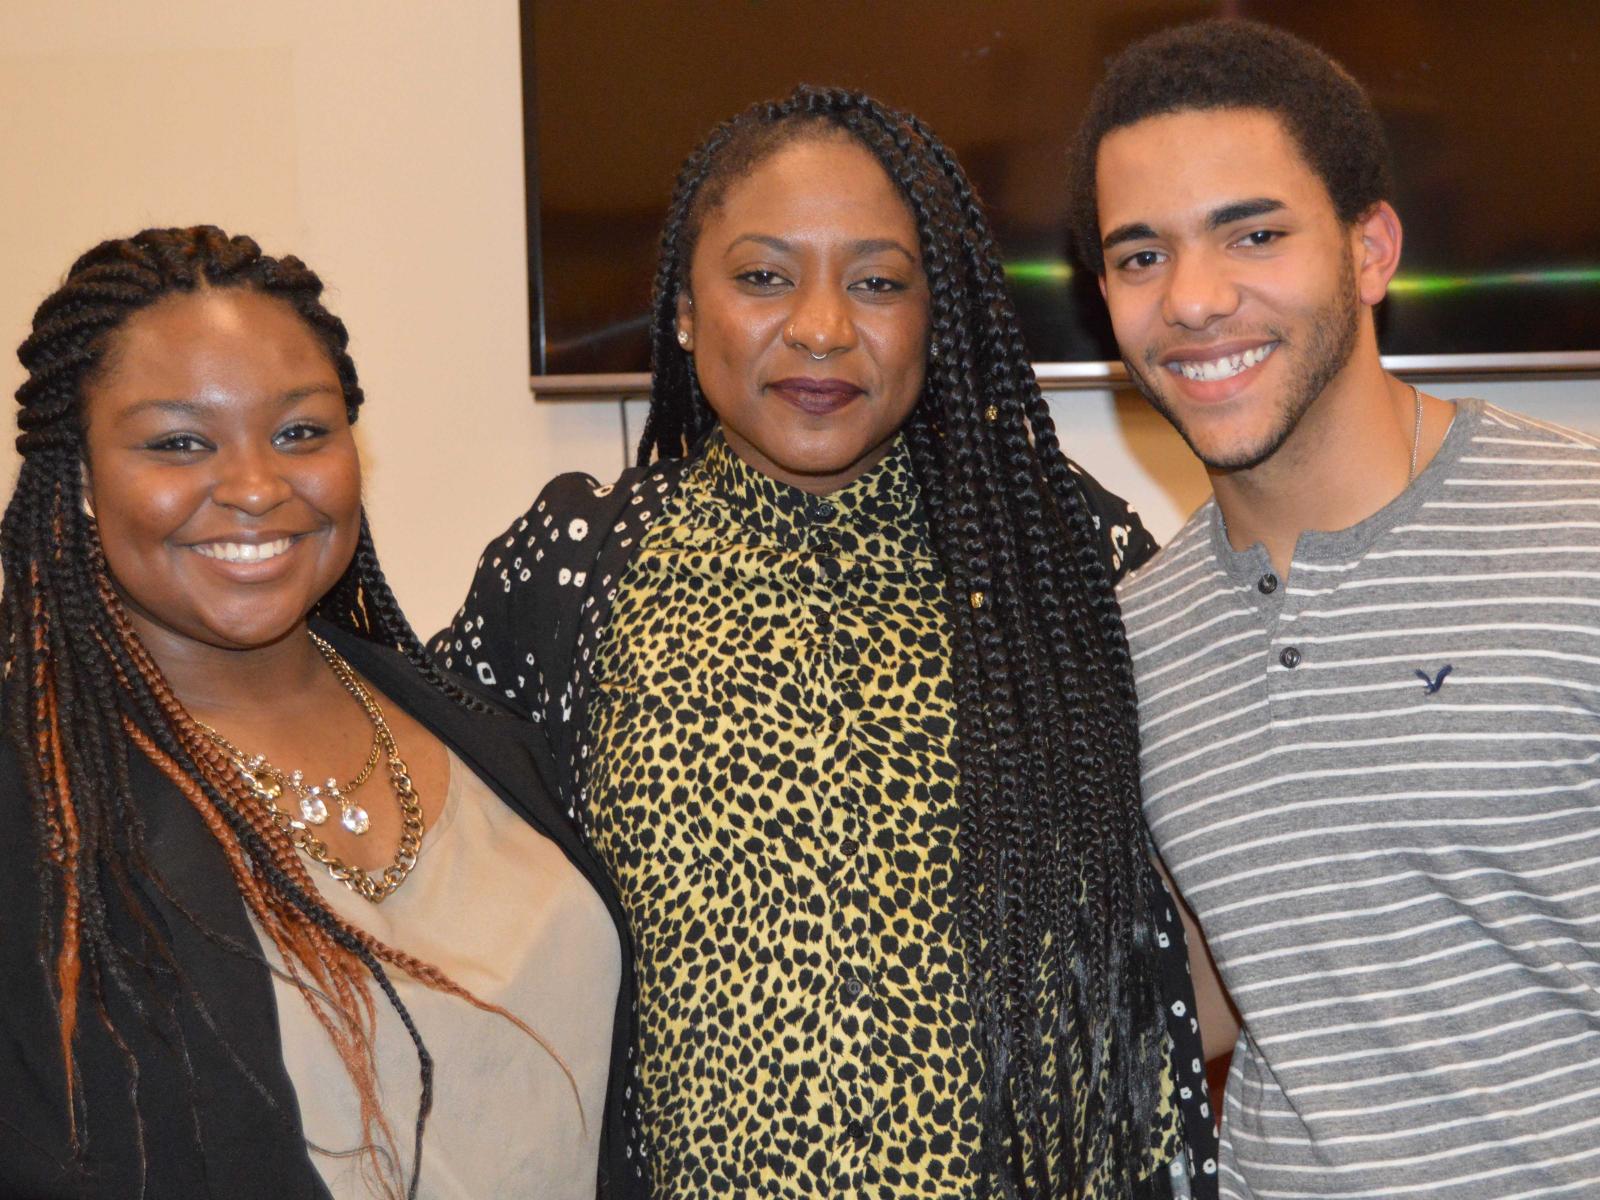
(382, 143)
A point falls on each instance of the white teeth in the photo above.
(1223, 368)
(244, 551)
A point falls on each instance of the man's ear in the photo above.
(1101, 280)
(1377, 239)
(685, 320)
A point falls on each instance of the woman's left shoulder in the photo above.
(450, 706)
(516, 629)
(1124, 543)
(499, 745)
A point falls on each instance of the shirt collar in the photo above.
(883, 502)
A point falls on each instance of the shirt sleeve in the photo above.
(1125, 544)
(491, 639)
(1191, 1096)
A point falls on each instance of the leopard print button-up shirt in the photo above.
(772, 784)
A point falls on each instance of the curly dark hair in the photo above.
(1232, 63)
(81, 697)
(1055, 875)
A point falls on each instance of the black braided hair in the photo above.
(79, 693)
(1227, 62)
(1055, 876)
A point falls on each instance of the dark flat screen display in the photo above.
(1492, 108)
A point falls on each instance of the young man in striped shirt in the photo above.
(1369, 667)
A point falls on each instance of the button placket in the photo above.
(849, 1059)
(854, 1025)
(821, 604)
(851, 1076)
(855, 987)
(854, 1141)
(1286, 653)
(849, 998)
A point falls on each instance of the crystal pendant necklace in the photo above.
(270, 784)
(312, 802)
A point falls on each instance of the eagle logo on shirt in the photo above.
(1432, 683)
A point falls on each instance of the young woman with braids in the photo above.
(839, 687)
(190, 1005)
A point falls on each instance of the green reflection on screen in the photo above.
(1037, 271)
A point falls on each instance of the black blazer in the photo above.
(227, 1125)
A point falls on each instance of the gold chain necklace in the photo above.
(268, 783)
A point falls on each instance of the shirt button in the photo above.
(1290, 657)
(853, 986)
(849, 847)
(1267, 584)
(855, 1131)
(825, 511)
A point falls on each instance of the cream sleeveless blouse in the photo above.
(498, 908)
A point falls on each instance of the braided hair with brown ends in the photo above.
(81, 695)
(1055, 875)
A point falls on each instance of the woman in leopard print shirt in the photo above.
(842, 689)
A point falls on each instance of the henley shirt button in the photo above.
(849, 847)
(825, 511)
(855, 1131)
(853, 986)
(1290, 657)
(1267, 584)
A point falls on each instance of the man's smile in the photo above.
(1224, 366)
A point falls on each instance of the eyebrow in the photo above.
(1136, 232)
(861, 246)
(198, 408)
(1227, 214)
(1242, 210)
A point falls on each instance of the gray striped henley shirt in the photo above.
(1376, 783)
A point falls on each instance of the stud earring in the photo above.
(683, 338)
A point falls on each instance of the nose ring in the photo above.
(794, 339)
